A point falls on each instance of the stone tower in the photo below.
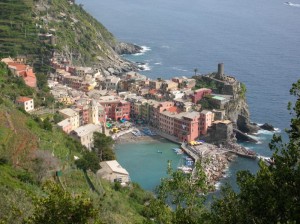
(93, 112)
(220, 74)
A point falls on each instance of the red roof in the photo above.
(173, 109)
(23, 99)
(19, 67)
(152, 91)
(26, 72)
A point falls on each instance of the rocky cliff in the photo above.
(236, 108)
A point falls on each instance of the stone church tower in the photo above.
(93, 112)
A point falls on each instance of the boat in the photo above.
(159, 151)
(266, 159)
(189, 163)
(178, 151)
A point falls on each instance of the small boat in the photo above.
(159, 151)
(178, 151)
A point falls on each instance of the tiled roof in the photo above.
(23, 99)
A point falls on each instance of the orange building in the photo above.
(22, 70)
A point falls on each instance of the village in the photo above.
(128, 104)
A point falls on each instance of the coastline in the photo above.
(216, 160)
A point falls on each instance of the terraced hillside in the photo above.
(40, 29)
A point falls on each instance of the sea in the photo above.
(258, 41)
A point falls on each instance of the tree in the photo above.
(195, 70)
(89, 161)
(47, 124)
(61, 207)
(57, 118)
(103, 146)
(186, 194)
(273, 194)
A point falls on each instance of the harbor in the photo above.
(156, 147)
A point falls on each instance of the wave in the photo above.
(218, 185)
(144, 67)
(265, 132)
(277, 130)
(143, 51)
(292, 4)
(165, 46)
(179, 69)
(158, 63)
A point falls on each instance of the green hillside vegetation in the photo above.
(31, 155)
(78, 36)
(78, 33)
(19, 34)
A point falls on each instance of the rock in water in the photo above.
(267, 127)
(127, 48)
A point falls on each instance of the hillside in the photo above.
(31, 154)
(40, 29)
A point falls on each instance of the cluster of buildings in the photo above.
(172, 106)
(19, 68)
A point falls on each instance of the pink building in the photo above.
(186, 126)
(206, 119)
(166, 122)
(156, 109)
(66, 125)
(115, 108)
(24, 71)
(199, 94)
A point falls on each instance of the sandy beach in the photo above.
(130, 138)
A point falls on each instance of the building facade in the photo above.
(26, 103)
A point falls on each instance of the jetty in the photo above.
(190, 152)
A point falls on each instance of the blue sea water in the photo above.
(258, 41)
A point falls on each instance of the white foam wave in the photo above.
(143, 51)
(144, 67)
(158, 63)
(265, 132)
(292, 4)
(218, 185)
(277, 130)
(165, 46)
(179, 69)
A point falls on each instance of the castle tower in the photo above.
(93, 112)
(220, 73)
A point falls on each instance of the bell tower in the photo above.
(93, 112)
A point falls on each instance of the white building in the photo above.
(111, 82)
(26, 103)
(113, 172)
(72, 115)
(85, 134)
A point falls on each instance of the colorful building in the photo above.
(199, 94)
(115, 107)
(206, 119)
(21, 70)
(186, 126)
